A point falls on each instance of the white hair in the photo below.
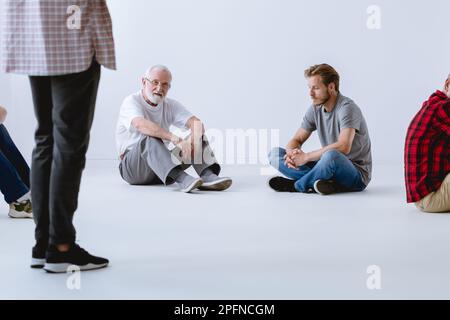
(159, 67)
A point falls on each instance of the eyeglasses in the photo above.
(157, 83)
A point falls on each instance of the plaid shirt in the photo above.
(427, 148)
(56, 37)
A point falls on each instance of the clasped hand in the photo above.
(295, 158)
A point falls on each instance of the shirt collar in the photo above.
(441, 95)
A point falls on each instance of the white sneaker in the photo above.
(218, 184)
(21, 210)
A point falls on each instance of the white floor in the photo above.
(247, 243)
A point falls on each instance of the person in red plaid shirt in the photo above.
(427, 154)
(60, 45)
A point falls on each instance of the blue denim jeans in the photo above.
(14, 171)
(332, 166)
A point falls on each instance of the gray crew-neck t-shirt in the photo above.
(346, 114)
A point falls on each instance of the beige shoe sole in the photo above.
(221, 184)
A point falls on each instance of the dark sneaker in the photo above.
(60, 262)
(21, 210)
(281, 184)
(327, 187)
(38, 256)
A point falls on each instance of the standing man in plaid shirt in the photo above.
(60, 45)
(427, 154)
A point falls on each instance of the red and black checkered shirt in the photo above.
(427, 157)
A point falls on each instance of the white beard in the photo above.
(155, 99)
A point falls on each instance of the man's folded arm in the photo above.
(151, 129)
(299, 139)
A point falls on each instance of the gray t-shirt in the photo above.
(346, 114)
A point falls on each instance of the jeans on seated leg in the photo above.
(14, 172)
(332, 166)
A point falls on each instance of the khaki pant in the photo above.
(439, 201)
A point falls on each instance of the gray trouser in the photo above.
(149, 162)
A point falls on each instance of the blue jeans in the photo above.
(332, 166)
(14, 171)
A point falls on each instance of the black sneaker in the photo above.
(281, 184)
(38, 256)
(60, 262)
(327, 187)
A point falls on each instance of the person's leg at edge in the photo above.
(12, 153)
(439, 201)
(12, 187)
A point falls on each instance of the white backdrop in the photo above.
(239, 64)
